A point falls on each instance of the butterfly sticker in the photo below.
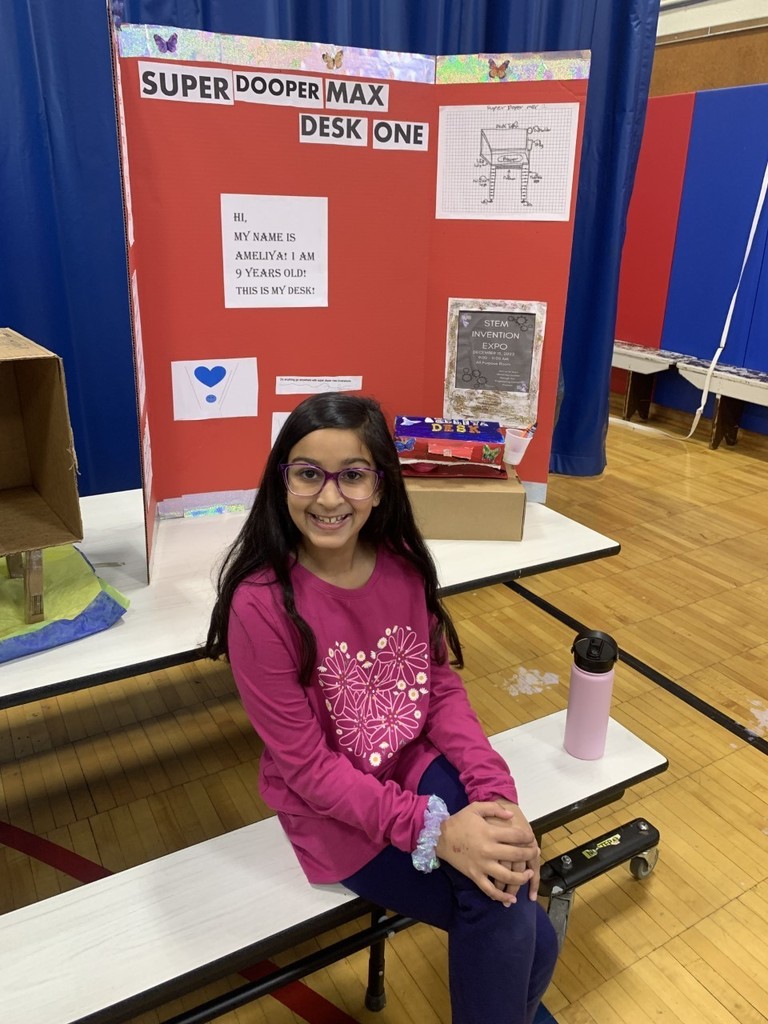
(333, 60)
(167, 45)
(497, 70)
(405, 444)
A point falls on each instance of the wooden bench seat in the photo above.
(732, 386)
(120, 945)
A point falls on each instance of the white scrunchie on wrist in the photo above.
(424, 857)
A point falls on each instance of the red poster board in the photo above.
(392, 264)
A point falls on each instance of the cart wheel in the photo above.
(643, 864)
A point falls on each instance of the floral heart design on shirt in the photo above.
(374, 698)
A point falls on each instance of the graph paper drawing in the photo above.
(507, 162)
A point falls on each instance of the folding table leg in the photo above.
(375, 996)
(559, 910)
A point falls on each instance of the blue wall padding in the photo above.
(675, 392)
(756, 355)
(755, 418)
(727, 155)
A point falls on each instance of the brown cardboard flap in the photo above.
(15, 346)
(39, 504)
(14, 461)
(28, 522)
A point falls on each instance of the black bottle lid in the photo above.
(594, 651)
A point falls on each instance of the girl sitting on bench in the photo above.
(374, 760)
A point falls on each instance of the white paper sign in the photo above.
(333, 131)
(205, 389)
(507, 161)
(278, 419)
(401, 135)
(282, 90)
(275, 250)
(161, 81)
(315, 385)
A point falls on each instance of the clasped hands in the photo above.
(493, 845)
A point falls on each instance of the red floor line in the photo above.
(301, 999)
(297, 997)
(55, 856)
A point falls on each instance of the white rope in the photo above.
(729, 317)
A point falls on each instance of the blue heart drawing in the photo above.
(210, 375)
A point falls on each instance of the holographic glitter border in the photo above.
(521, 67)
(197, 506)
(280, 54)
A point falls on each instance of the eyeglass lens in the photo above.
(356, 482)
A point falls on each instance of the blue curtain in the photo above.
(62, 253)
(63, 278)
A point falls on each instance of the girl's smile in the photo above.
(329, 522)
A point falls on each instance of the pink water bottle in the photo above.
(589, 694)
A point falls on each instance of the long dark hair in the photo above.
(269, 539)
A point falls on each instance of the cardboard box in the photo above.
(462, 509)
(39, 505)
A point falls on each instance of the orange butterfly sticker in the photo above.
(333, 60)
(497, 70)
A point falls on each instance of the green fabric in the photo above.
(69, 587)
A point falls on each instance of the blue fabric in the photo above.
(723, 175)
(500, 959)
(100, 614)
(622, 41)
(543, 1016)
(62, 259)
(756, 349)
(63, 279)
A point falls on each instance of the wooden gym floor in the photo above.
(134, 769)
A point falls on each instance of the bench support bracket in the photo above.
(726, 421)
(638, 396)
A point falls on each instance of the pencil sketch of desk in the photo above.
(508, 149)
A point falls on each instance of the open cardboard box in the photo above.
(39, 505)
(468, 509)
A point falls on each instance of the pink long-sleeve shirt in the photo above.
(343, 756)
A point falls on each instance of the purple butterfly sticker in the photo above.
(167, 45)
(118, 12)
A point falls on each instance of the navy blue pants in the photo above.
(500, 959)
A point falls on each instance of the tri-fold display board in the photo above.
(305, 218)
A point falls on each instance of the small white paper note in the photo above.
(315, 385)
(278, 419)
